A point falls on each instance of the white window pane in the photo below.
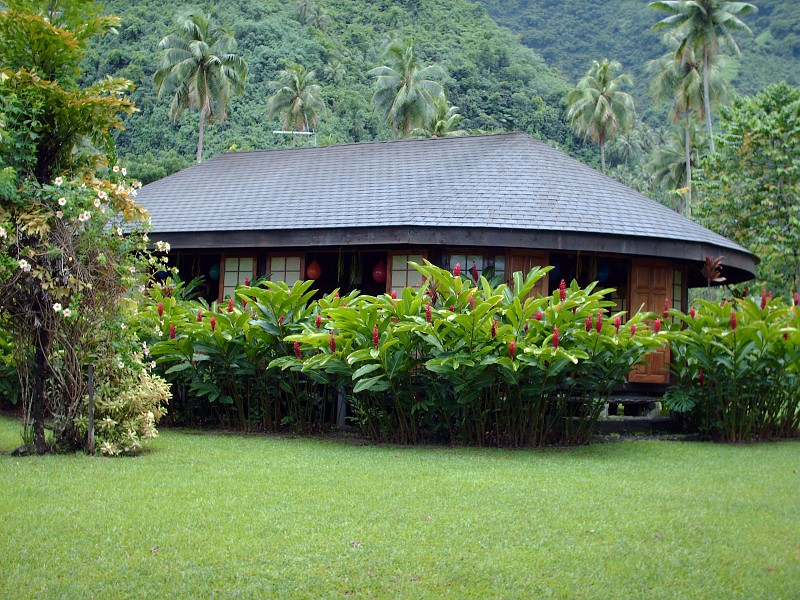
(292, 278)
(417, 258)
(414, 278)
(278, 263)
(399, 262)
(478, 262)
(231, 264)
(231, 278)
(292, 263)
(499, 263)
(246, 264)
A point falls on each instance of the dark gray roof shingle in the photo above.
(504, 181)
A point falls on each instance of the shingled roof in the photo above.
(505, 189)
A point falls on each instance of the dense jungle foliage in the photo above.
(569, 34)
(496, 82)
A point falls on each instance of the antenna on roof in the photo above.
(314, 133)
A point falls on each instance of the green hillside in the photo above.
(497, 82)
(569, 34)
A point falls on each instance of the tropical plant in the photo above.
(200, 70)
(671, 168)
(443, 121)
(405, 91)
(598, 108)
(296, 99)
(704, 26)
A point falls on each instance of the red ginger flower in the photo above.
(512, 349)
(556, 338)
(247, 281)
(319, 321)
(599, 325)
(589, 323)
(746, 291)
(280, 321)
(471, 303)
(199, 315)
(474, 271)
(691, 314)
(452, 308)
(297, 351)
(665, 312)
(230, 305)
(701, 377)
(657, 326)
(494, 327)
(160, 309)
(617, 323)
(244, 303)
(633, 330)
(764, 299)
(213, 323)
(526, 327)
(172, 332)
(428, 316)
(336, 295)
(457, 270)
(332, 342)
(562, 290)
(733, 320)
(375, 336)
(538, 315)
(394, 294)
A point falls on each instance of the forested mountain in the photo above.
(569, 34)
(496, 82)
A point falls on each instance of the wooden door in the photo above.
(524, 261)
(651, 282)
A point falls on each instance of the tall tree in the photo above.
(598, 108)
(200, 70)
(678, 81)
(405, 91)
(751, 187)
(704, 26)
(443, 121)
(296, 99)
(670, 166)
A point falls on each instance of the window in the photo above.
(288, 269)
(482, 262)
(404, 275)
(677, 289)
(237, 269)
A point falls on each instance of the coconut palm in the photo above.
(296, 99)
(405, 91)
(443, 121)
(598, 108)
(704, 26)
(671, 165)
(679, 81)
(200, 70)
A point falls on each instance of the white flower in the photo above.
(81, 217)
(62, 201)
(158, 331)
(87, 215)
(24, 265)
(3, 233)
(97, 202)
(115, 169)
(141, 289)
(152, 365)
(166, 259)
(59, 214)
(57, 307)
(145, 349)
(123, 326)
(67, 313)
(124, 171)
(58, 181)
(145, 238)
(119, 231)
(102, 209)
(132, 270)
(102, 195)
(133, 193)
(120, 365)
(150, 415)
(121, 188)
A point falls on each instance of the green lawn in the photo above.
(202, 515)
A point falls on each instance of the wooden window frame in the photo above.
(300, 255)
(423, 252)
(223, 259)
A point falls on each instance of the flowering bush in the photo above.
(738, 368)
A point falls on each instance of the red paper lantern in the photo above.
(379, 272)
(314, 271)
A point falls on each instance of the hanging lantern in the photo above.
(379, 272)
(314, 271)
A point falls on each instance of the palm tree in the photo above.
(443, 121)
(679, 80)
(598, 108)
(296, 98)
(704, 26)
(200, 70)
(671, 165)
(405, 91)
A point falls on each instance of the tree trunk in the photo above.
(603, 154)
(707, 101)
(200, 138)
(688, 144)
(37, 402)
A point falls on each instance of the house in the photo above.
(353, 215)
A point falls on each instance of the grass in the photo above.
(201, 515)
